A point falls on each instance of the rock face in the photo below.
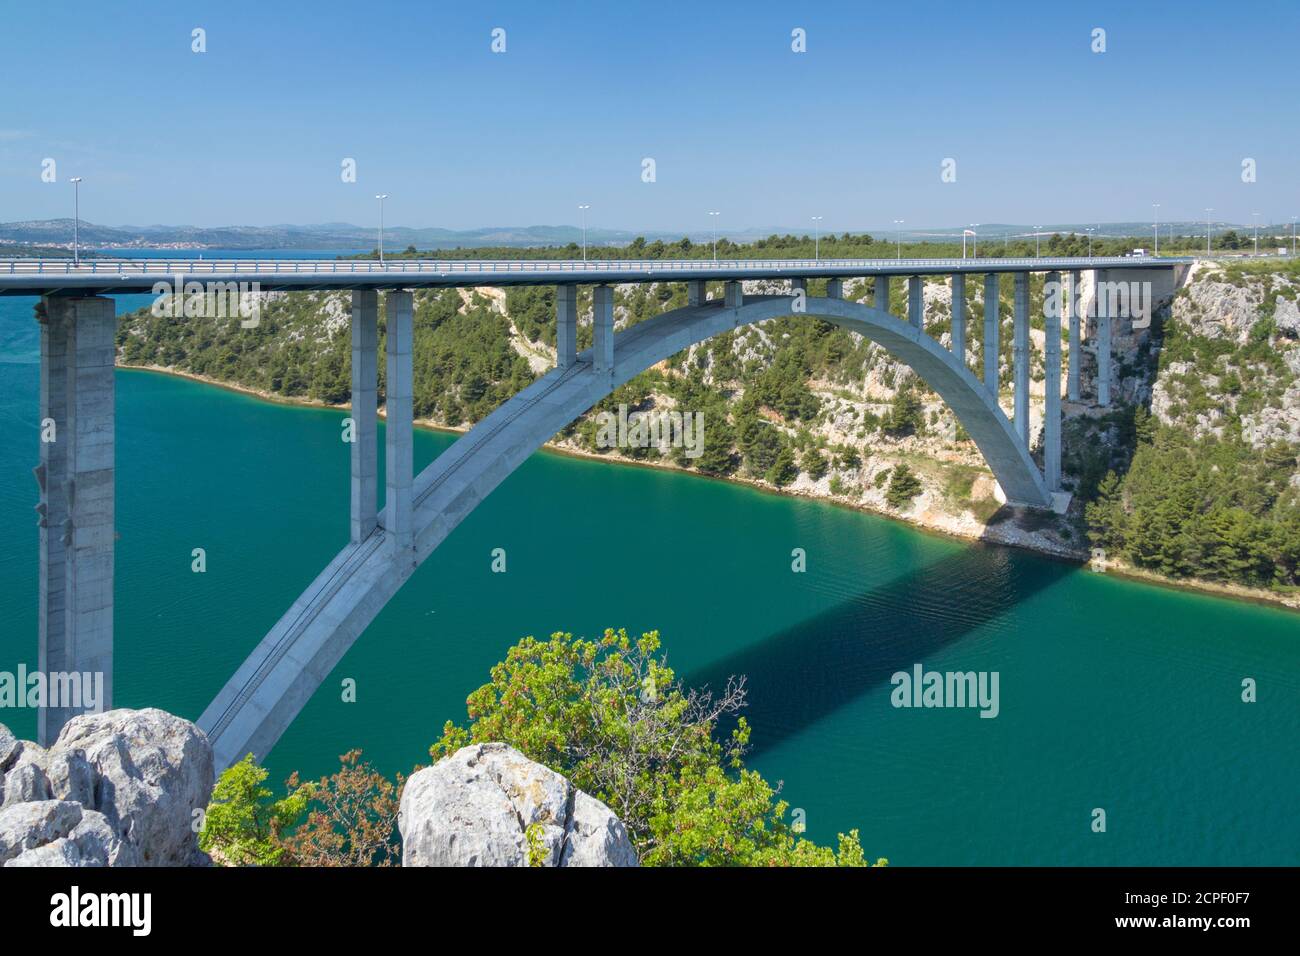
(116, 789)
(487, 803)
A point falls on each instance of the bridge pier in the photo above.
(1052, 386)
(834, 288)
(695, 292)
(566, 325)
(880, 291)
(602, 317)
(991, 355)
(1020, 357)
(959, 317)
(1101, 309)
(916, 302)
(1071, 303)
(399, 392)
(76, 479)
(365, 415)
(735, 294)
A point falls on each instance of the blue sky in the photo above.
(1043, 130)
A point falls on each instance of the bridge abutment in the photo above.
(399, 431)
(76, 478)
(365, 416)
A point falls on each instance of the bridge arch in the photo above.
(269, 689)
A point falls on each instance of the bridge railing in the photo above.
(446, 266)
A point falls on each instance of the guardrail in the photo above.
(440, 266)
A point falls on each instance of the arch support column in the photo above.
(1020, 356)
(399, 403)
(959, 317)
(365, 415)
(1052, 383)
(1102, 310)
(1071, 302)
(602, 317)
(566, 325)
(991, 356)
(916, 302)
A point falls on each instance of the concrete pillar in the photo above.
(959, 317)
(735, 295)
(834, 288)
(399, 400)
(365, 427)
(1052, 385)
(880, 293)
(798, 285)
(916, 301)
(566, 325)
(1102, 309)
(991, 333)
(76, 479)
(1020, 357)
(1071, 302)
(603, 324)
(695, 292)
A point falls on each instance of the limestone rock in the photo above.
(10, 748)
(71, 777)
(25, 782)
(152, 771)
(25, 826)
(479, 807)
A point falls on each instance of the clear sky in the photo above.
(255, 130)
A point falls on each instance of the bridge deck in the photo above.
(110, 276)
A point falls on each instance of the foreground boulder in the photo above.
(489, 805)
(116, 789)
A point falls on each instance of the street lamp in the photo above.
(76, 218)
(1208, 210)
(899, 237)
(1293, 219)
(583, 209)
(1037, 238)
(1156, 226)
(817, 238)
(381, 197)
(1255, 216)
(975, 241)
(1089, 231)
(715, 233)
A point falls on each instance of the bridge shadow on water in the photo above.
(799, 675)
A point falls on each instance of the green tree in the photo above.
(242, 824)
(903, 487)
(611, 715)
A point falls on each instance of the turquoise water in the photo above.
(1112, 694)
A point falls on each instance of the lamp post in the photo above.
(1037, 239)
(975, 240)
(1208, 210)
(1255, 216)
(583, 209)
(381, 197)
(76, 219)
(817, 238)
(715, 233)
(899, 238)
(1156, 226)
(1089, 232)
(1293, 219)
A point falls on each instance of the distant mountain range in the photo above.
(344, 236)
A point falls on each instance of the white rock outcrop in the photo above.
(486, 804)
(116, 789)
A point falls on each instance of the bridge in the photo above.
(75, 474)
